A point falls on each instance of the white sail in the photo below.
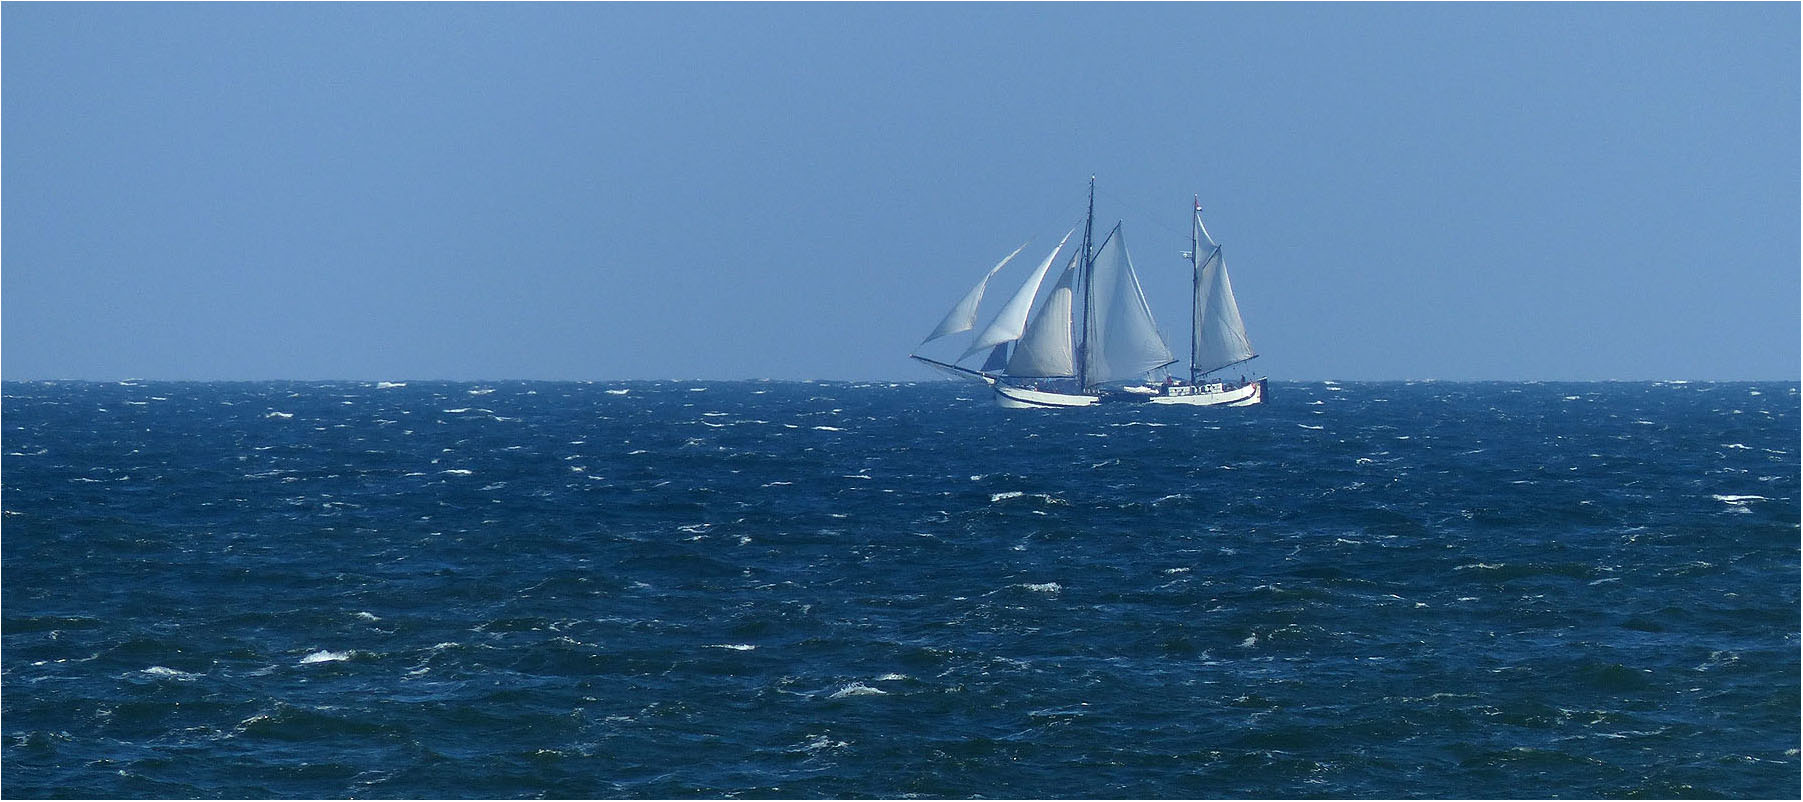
(963, 316)
(1045, 350)
(1012, 320)
(1219, 332)
(1123, 339)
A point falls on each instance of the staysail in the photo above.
(1012, 320)
(963, 316)
(1045, 350)
(1123, 340)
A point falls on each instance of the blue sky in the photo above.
(577, 191)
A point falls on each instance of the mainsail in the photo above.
(1219, 334)
(1123, 340)
(1045, 351)
(963, 316)
(1012, 320)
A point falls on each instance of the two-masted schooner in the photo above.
(1092, 339)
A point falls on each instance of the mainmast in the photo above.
(1088, 293)
(1195, 294)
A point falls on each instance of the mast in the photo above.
(1195, 251)
(1218, 335)
(1088, 293)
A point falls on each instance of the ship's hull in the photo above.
(1010, 397)
(1208, 395)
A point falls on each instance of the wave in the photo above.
(324, 656)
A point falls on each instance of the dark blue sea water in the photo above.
(830, 589)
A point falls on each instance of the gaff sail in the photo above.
(1123, 339)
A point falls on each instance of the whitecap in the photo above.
(164, 671)
(1738, 500)
(828, 429)
(1250, 641)
(857, 689)
(458, 471)
(482, 391)
(367, 616)
(891, 677)
(994, 497)
(819, 742)
(323, 656)
(1306, 426)
(617, 392)
(283, 415)
(389, 385)
(1042, 587)
(737, 647)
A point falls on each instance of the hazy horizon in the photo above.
(601, 192)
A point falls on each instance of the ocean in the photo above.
(839, 589)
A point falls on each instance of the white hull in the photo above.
(1208, 395)
(1022, 398)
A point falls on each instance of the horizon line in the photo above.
(924, 380)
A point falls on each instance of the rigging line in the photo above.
(1150, 217)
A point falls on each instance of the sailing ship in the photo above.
(1092, 340)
